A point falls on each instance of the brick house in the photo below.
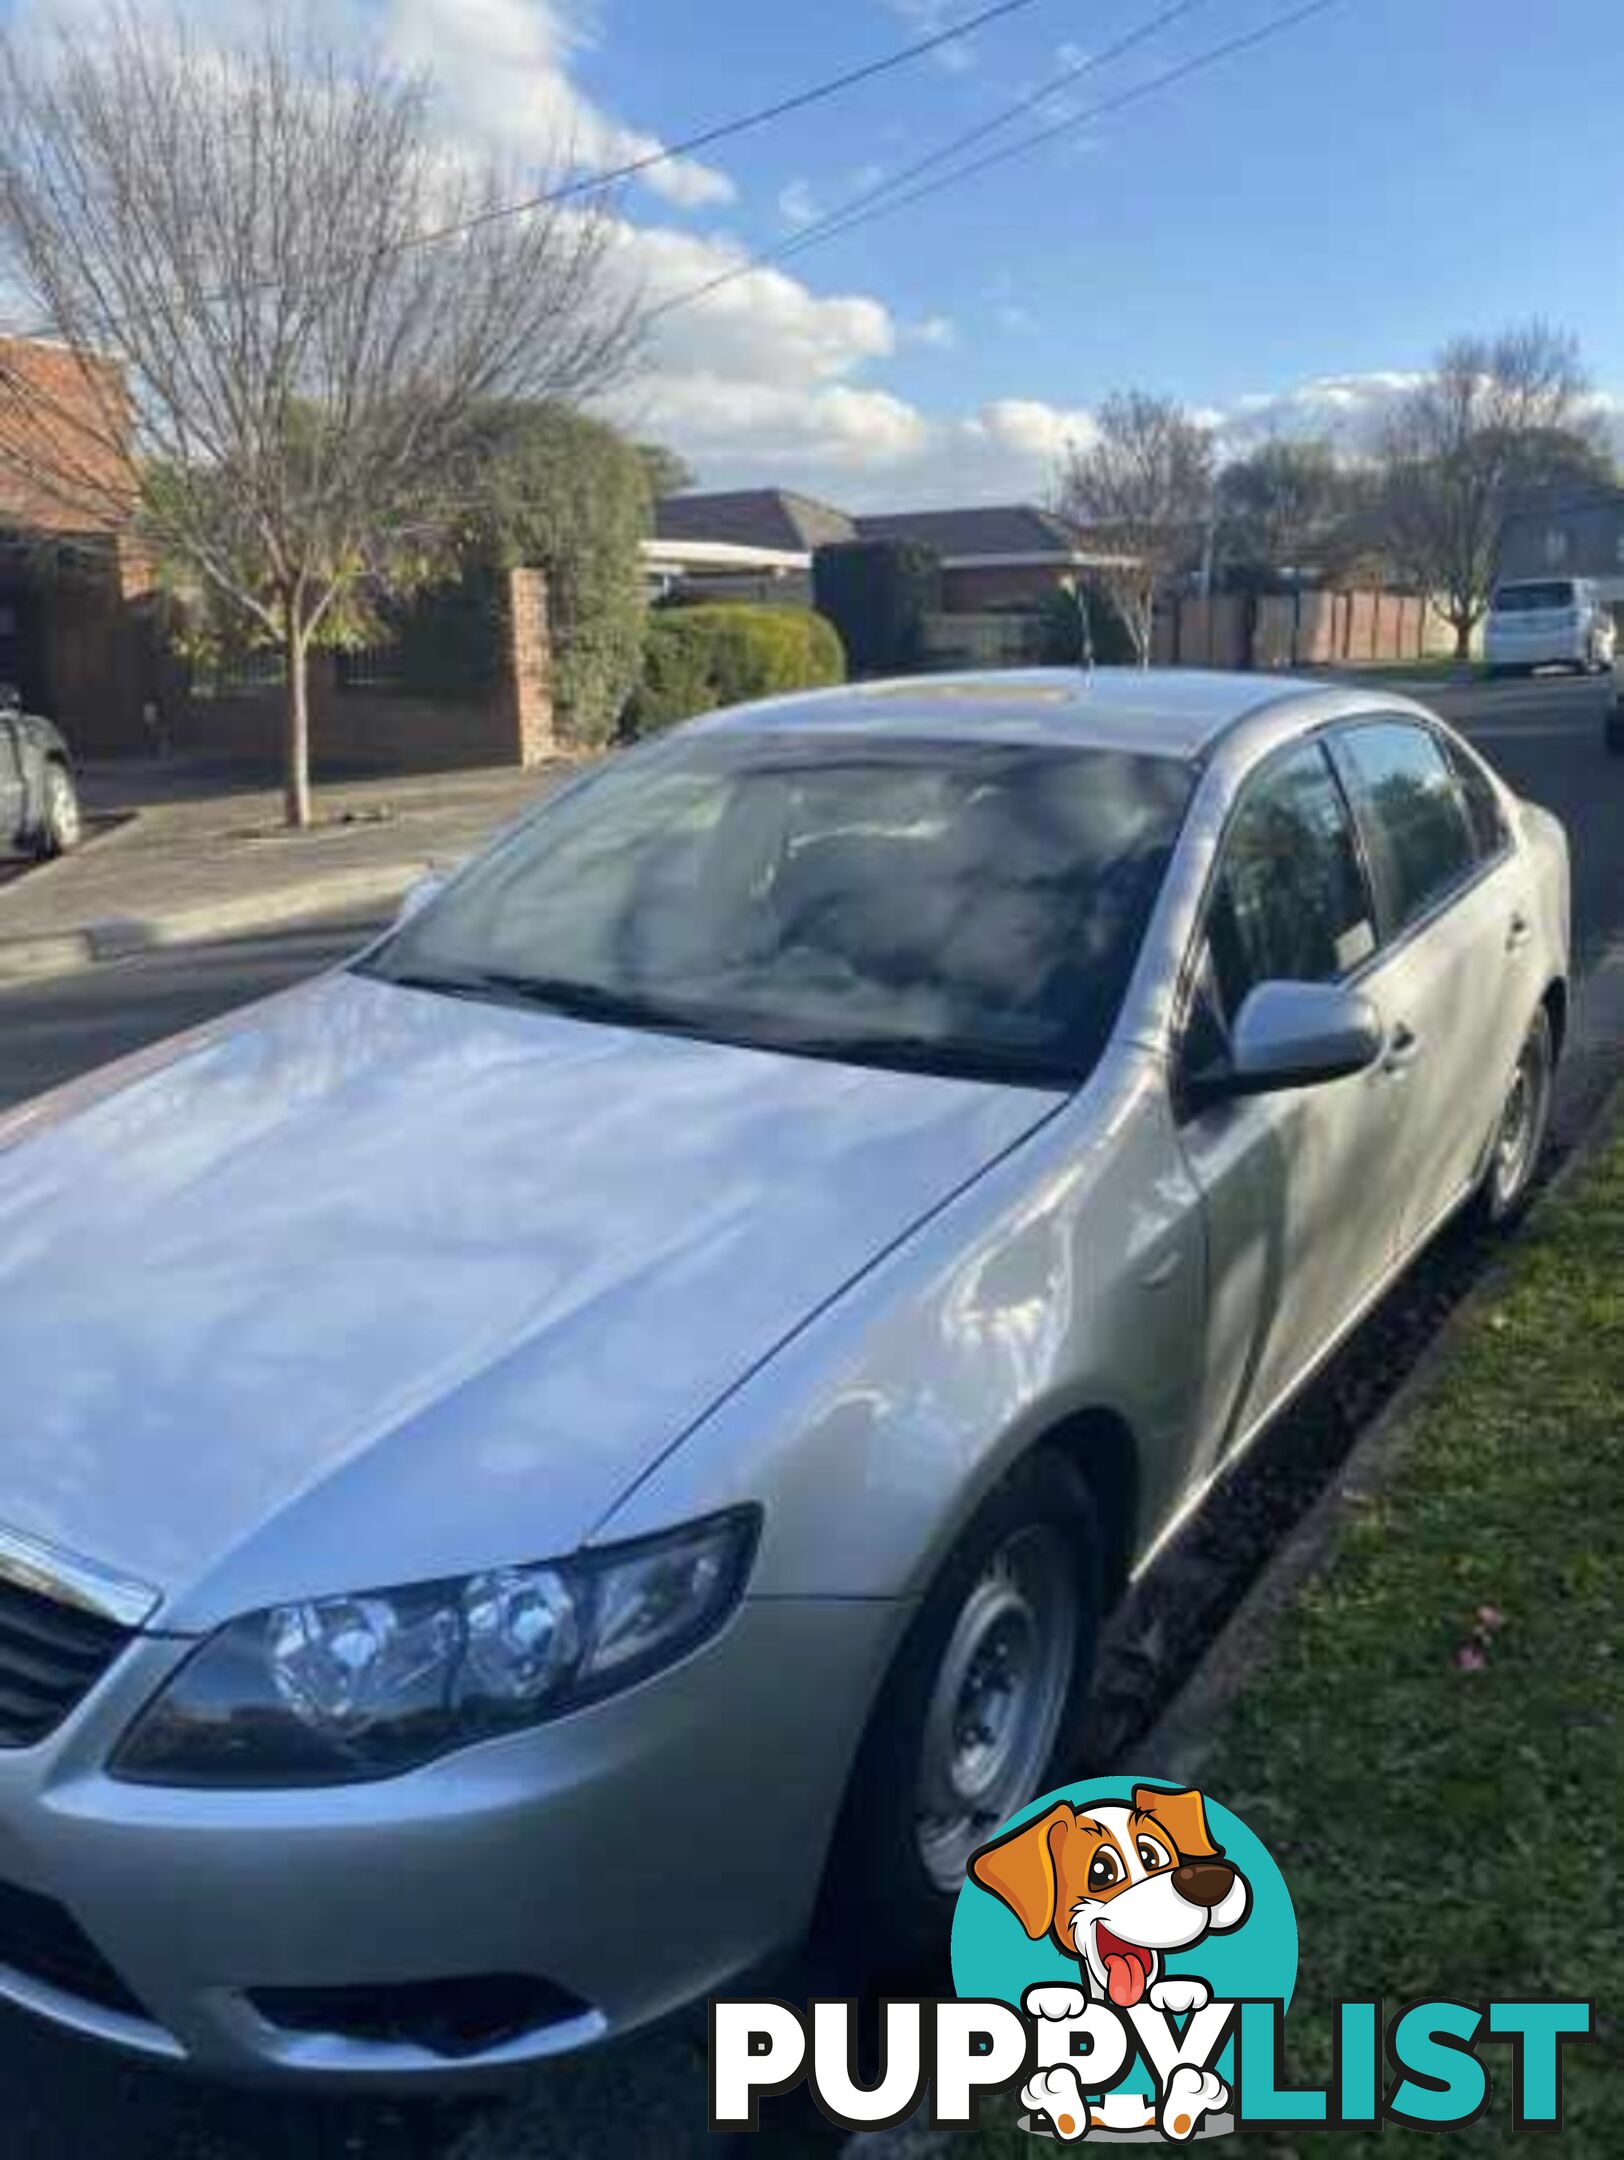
(1003, 556)
(75, 637)
(1010, 555)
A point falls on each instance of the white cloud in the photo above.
(762, 325)
(502, 74)
(801, 203)
(764, 381)
(1347, 408)
(502, 71)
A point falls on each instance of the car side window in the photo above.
(1290, 902)
(1484, 812)
(1411, 814)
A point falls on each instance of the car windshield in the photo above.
(1533, 599)
(952, 907)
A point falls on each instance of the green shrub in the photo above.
(566, 494)
(696, 659)
(877, 594)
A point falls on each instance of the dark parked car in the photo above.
(39, 804)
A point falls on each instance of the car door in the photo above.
(11, 783)
(1298, 1188)
(1455, 904)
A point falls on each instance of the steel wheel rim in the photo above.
(64, 812)
(999, 1695)
(1520, 1123)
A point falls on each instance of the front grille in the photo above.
(51, 1656)
(42, 1941)
(456, 2019)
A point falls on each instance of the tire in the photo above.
(1519, 1141)
(1022, 1589)
(61, 825)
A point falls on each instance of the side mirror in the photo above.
(418, 896)
(1295, 1035)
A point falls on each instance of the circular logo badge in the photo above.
(1113, 1903)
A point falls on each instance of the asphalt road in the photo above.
(59, 2099)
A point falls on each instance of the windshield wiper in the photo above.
(560, 994)
(921, 1054)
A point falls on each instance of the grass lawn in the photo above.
(1432, 1744)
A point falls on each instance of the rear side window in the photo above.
(1290, 904)
(1411, 814)
(1483, 809)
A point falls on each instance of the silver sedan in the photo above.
(529, 1459)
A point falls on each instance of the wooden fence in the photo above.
(1287, 630)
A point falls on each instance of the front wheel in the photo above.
(1519, 1141)
(980, 1712)
(61, 825)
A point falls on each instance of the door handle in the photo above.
(1519, 933)
(1403, 1048)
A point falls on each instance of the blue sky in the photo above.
(1276, 241)
(1330, 205)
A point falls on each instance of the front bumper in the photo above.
(633, 1856)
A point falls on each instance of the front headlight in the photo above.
(338, 1690)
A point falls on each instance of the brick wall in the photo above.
(529, 665)
(390, 730)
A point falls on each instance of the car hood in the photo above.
(369, 1285)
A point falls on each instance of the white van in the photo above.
(1549, 622)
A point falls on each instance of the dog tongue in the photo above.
(1124, 1980)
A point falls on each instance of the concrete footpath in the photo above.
(181, 852)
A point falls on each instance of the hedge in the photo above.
(698, 658)
(877, 593)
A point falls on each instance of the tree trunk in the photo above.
(1144, 628)
(296, 768)
(1464, 625)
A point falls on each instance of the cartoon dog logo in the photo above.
(1119, 1888)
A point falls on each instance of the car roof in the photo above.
(1165, 712)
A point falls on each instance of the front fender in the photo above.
(1069, 1278)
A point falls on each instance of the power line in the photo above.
(810, 235)
(723, 131)
(880, 202)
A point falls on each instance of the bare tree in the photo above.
(1494, 416)
(1143, 486)
(286, 305)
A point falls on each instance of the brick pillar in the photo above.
(529, 686)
